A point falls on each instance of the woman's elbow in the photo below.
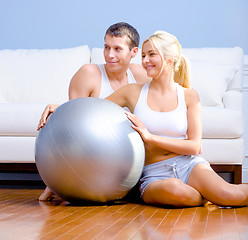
(197, 149)
(194, 148)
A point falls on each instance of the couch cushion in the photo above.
(2, 100)
(223, 151)
(17, 149)
(219, 151)
(20, 119)
(210, 80)
(232, 56)
(233, 100)
(221, 123)
(39, 75)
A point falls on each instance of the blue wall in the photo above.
(68, 23)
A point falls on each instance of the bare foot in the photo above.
(47, 195)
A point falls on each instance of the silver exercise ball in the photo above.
(88, 151)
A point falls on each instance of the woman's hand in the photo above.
(146, 136)
(48, 110)
(139, 126)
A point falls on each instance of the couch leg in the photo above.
(236, 171)
(237, 174)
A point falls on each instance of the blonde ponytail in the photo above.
(182, 75)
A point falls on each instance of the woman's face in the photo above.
(151, 60)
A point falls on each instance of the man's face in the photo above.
(117, 53)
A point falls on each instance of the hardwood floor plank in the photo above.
(123, 221)
(198, 226)
(133, 229)
(22, 216)
(71, 220)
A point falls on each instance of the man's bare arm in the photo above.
(85, 83)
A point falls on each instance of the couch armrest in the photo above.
(233, 100)
(222, 123)
(2, 100)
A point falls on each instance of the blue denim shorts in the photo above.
(177, 167)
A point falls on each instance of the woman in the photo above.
(167, 115)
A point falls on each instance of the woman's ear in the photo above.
(169, 61)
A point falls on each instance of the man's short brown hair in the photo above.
(124, 29)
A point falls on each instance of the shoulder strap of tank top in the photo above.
(143, 95)
(103, 71)
(130, 77)
(181, 97)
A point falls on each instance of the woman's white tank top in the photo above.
(172, 124)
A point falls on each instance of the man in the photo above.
(91, 80)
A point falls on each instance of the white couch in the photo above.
(30, 79)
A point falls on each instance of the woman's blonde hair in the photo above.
(169, 47)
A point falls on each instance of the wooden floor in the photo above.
(22, 216)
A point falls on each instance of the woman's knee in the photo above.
(184, 194)
(229, 196)
(177, 190)
(172, 192)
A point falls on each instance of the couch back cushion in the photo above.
(220, 56)
(214, 71)
(39, 76)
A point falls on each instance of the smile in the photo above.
(111, 62)
(149, 67)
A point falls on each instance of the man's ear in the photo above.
(134, 51)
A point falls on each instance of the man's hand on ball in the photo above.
(50, 108)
